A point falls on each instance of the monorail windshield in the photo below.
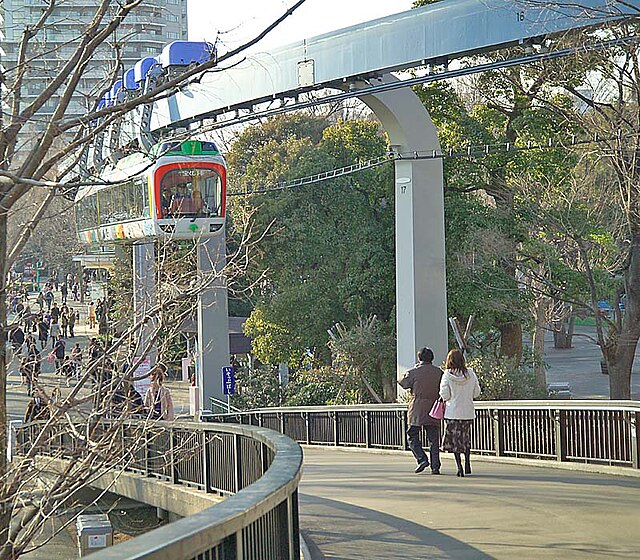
(194, 192)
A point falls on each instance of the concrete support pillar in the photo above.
(213, 320)
(144, 291)
(421, 299)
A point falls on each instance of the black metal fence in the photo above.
(595, 432)
(258, 470)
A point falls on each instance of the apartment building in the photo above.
(144, 33)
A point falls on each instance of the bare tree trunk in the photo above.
(540, 314)
(388, 389)
(5, 500)
(563, 331)
(620, 355)
(511, 340)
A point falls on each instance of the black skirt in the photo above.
(457, 436)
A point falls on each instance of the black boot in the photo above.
(467, 462)
(459, 464)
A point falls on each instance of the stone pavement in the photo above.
(580, 367)
(367, 506)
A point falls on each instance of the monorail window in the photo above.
(124, 202)
(87, 213)
(193, 192)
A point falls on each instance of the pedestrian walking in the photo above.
(43, 332)
(16, 335)
(76, 360)
(40, 300)
(424, 383)
(74, 316)
(64, 292)
(68, 369)
(158, 397)
(55, 312)
(48, 298)
(59, 353)
(91, 315)
(54, 331)
(458, 387)
(37, 409)
(64, 323)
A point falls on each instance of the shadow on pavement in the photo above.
(345, 531)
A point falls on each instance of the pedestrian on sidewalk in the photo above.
(54, 331)
(74, 316)
(37, 409)
(43, 332)
(64, 292)
(76, 359)
(48, 298)
(91, 315)
(16, 335)
(40, 300)
(59, 352)
(458, 388)
(424, 383)
(158, 397)
(64, 322)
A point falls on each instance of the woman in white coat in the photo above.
(458, 387)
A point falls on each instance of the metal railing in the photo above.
(592, 432)
(257, 469)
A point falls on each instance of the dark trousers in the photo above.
(433, 436)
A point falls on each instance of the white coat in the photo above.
(458, 391)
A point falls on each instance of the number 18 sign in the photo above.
(228, 380)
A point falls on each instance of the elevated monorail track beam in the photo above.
(255, 113)
(430, 35)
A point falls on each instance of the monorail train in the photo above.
(177, 192)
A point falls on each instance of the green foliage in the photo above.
(321, 386)
(501, 378)
(271, 342)
(257, 387)
(367, 351)
(328, 255)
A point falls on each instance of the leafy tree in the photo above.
(328, 256)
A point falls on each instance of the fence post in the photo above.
(561, 434)
(293, 527)
(237, 463)
(635, 440)
(336, 439)
(174, 463)
(206, 463)
(367, 428)
(147, 444)
(307, 428)
(403, 427)
(498, 432)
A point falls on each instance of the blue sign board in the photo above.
(228, 380)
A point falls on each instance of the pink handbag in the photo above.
(437, 410)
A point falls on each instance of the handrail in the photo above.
(253, 515)
(479, 405)
(588, 432)
(223, 404)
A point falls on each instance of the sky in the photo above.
(240, 20)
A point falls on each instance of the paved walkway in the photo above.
(580, 367)
(373, 507)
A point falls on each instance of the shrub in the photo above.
(503, 378)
